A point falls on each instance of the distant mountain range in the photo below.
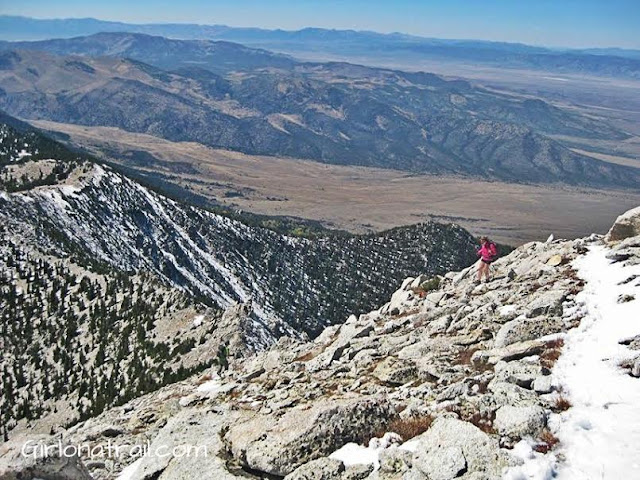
(351, 44)
(230, 96)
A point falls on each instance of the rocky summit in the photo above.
(440, 383)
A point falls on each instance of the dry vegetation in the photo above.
(547, 441)
(464, 356)
(407, 428)
(203, 379)
(552, 352)
(561, 404)
(365, 199)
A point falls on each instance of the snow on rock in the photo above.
(23, 153)
(507, 311)
(354, 454)
(535, 466)
(600, 434)
(129, 471)
(197, 321)
(211, 386)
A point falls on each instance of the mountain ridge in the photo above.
(614, 62)
(472, 373)
(334, 113)
(98, 269)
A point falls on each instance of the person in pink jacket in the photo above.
(487, 253)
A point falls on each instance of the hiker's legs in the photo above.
(481, 266)
(487, 273)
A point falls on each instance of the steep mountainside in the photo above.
(333, 113)
(106, 282)
(454, 380)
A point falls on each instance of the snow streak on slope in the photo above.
(295, 285)
(601, 433)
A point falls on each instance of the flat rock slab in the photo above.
(514, 351)
(452, 446)
(278, 446)
(16, 466)
(522, 329)
(445, 463)
(198, 431)
(518, 422)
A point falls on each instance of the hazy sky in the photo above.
(572, 23)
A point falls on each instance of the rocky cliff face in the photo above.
(458, 371)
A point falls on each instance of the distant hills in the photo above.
(217, 56)
(352, 45)
(229, 96)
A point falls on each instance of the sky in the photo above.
(562, 23)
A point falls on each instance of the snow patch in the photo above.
(212, 386)
(129, 471)
(23, 153)
(354, 454)
(600, 434)
(506, 310)
(98, 175)
(535, 466)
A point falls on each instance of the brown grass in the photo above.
(407, 428)
(407, 313)
(481, 367)
(306, 357)
(552, 352)
(571, 273)
(535, 286)
(547, 441)
(464, 356)
(315, 352)
(483, 386)
(204, 379)
(561, 404)
(557, 343)
(484, 421)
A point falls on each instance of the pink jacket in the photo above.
(488, 251)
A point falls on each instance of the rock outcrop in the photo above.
(461, 378)
(40, 457)
(626, 225)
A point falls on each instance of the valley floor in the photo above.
(360, 199)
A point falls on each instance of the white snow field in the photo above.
(600, 434)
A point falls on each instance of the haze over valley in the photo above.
(501, 137)
(281, 251)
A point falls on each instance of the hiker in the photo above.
(487, 253)
(223, 357)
